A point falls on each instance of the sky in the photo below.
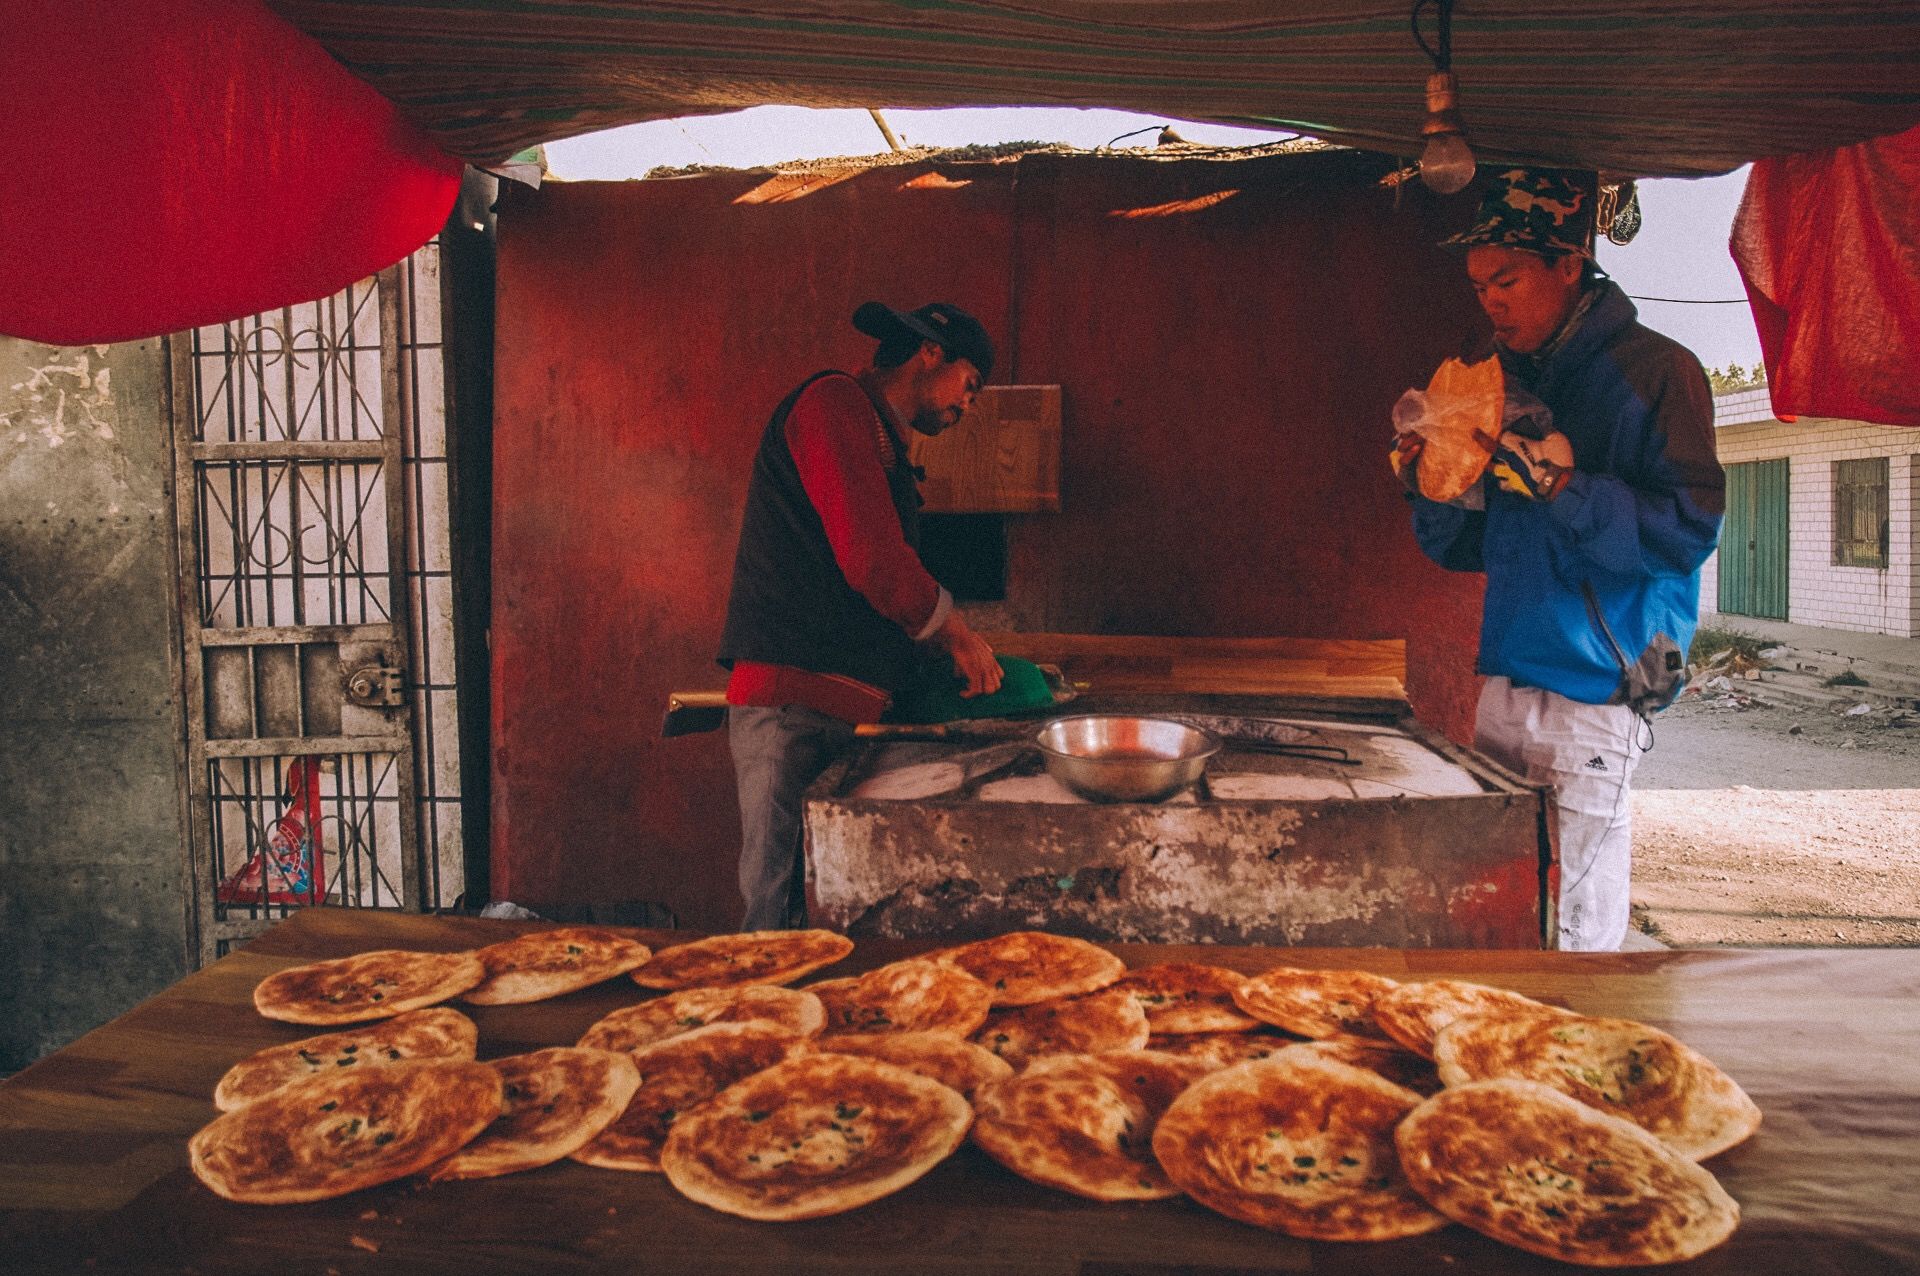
(1680, 254)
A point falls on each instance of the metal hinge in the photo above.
(376, 687)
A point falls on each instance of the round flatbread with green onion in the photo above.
(1023, 967)
(677, 1076)
(1297, 1143)
(752, 957)
(1402, 1067)
(1100, 1021)
(346, 1130)
(1182, 997)
(1084, 1122)
(1532, 1168)
(1616, 1066)
(1413, 1013)
(550, 963)
(942, 1056)
(1223, 1049)
(818, 1135)
(437, 1033)
(795, 1011)
(905, 996)
(375, 985)
(556, 1101)
(1316, 1003)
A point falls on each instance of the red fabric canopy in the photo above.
(189, 162)
(1829, 248)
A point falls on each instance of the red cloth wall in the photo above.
(186, 162)
(1229, 363)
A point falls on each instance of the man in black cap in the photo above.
(1591, 528)
(831, 606)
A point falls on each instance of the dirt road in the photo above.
(1778, 826)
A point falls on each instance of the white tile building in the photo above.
(1839, 525)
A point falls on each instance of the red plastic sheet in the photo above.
(190, 162)
(1829, 248)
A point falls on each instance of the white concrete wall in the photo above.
(1819, 592)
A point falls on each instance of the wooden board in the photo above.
(93, 1172)
(1139, 664)
(1003, 457)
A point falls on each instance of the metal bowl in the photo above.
(1116, 757)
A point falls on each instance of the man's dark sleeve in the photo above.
(1667, 520)
(1449, 535)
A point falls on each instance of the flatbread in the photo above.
(1183, 997)
(794, 1010)
(677, 1076)
(1105, 1020)
(438, 1033)
(1084, 1122)
(1023, 967)
(1617, 1066)
(1412, 1013)
(1316, 1003)
(375, 985)
(752, 957)
(557, 1099)
(906, 996)
(1468, 400)
(343, 1131)
(1537, 1170)
(1223, 1049)
(1383, 1058)
(817, 1135)
(549, 963)
(1297, 1143)
(959, 1065)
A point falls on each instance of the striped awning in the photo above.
(1631, 86)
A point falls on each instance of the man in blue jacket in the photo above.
(1591, 536)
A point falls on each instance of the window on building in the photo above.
(1860, 512)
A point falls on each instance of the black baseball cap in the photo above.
(947, 326)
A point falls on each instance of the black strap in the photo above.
(1619, 657)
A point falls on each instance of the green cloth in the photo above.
(934, 695)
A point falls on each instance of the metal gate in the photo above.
(311, 497)
(1753, 541)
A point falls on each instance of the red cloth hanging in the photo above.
(1828, 246)
(291, 868)
(193, 161)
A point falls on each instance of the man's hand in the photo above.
(972, 658)
(1537, 469)
(1405, 459)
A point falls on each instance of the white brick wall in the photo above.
(1819, 592)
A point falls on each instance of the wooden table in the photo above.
(93, 1163)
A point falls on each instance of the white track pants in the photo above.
(1588, 753)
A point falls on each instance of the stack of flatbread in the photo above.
(1332, 1105)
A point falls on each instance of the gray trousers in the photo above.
(1588, 753)
(777, 753)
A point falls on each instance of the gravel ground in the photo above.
(1778, 826)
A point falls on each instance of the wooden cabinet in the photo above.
(1003, 457)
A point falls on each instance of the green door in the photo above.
(1753, 541)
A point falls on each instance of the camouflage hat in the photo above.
(1539, 210)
